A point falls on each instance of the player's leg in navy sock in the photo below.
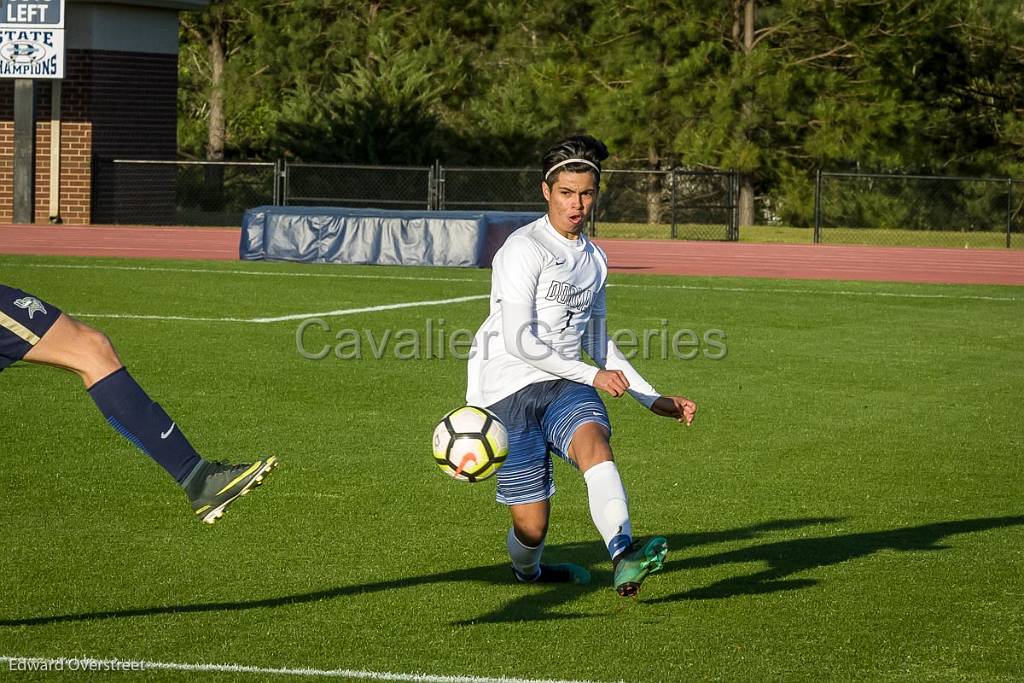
(144, 422)
(87, 352)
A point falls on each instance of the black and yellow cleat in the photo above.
(212, 486)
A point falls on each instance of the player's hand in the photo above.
(676, 407)
(613, 382)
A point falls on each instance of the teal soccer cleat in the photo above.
(633, 566)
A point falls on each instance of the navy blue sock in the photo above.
(143, 422)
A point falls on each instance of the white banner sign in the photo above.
(27, 52)
(32, 39)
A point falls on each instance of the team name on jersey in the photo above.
(570, 295)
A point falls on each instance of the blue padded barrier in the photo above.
(372, 236)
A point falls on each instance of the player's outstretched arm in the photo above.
(617, 374)
(676, 407)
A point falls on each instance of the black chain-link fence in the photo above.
(180, 192)
(489, 189)
(1016, 219)
(904, 210)
(377, 187)
(659, 204)
(652, 204)
(673, 204)
(898, 210)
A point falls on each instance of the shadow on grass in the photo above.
(786, 558)
(783, 559)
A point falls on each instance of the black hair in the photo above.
(576, 147)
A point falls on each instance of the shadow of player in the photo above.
(783, 559)
(786, 558)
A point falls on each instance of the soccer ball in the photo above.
(470, 444)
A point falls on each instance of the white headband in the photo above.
(573, 161)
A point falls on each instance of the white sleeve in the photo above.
(606, 354)
(517, 267)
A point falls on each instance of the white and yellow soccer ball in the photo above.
(470, 444)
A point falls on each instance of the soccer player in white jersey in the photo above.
(547, 303)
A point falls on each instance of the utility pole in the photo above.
(32, 35)
(23, 210)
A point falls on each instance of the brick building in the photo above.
(118, 100)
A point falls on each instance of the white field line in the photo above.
(836, 292)
(132, 316)
(698, 288)
(372, 309)
(294, 316)
(15, 664)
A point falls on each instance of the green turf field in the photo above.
(847, 506)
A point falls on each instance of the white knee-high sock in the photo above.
(608, 506)
(525, 559)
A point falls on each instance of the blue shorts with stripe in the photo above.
(24, 319)
(541, 419)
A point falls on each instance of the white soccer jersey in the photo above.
(547, 301)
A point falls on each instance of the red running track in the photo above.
(120, 241)
(818, 261)
(662, 257)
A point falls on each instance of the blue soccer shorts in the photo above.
(24, 320)
(541, 419)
